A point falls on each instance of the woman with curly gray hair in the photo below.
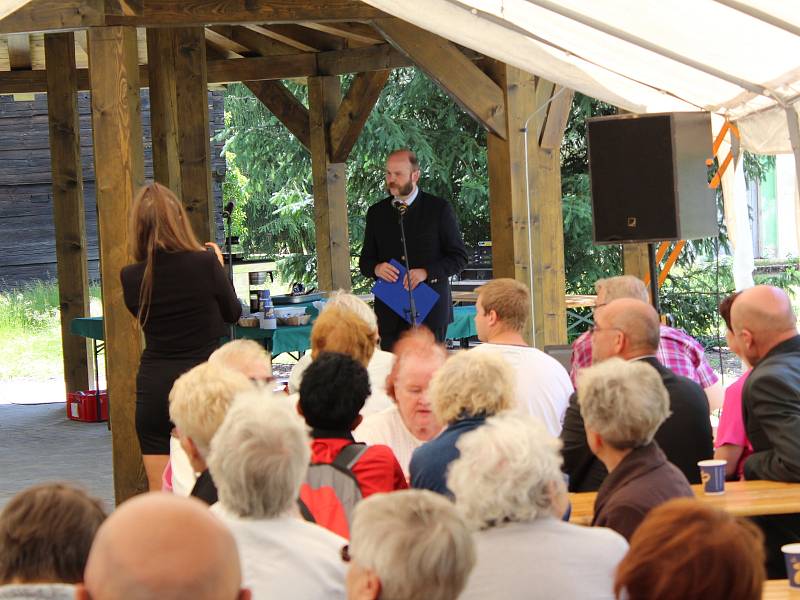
(469, 388)
(508, 485)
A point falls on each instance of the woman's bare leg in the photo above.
(154, 465)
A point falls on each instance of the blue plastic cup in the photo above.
(791, 552)
(712, 474)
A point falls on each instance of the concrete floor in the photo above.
(39, 444)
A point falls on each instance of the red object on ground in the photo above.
(83, 406)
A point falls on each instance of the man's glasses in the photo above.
(595, 329)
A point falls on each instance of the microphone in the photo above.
(399, 206)
(228, 210)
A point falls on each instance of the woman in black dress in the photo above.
(182, 298)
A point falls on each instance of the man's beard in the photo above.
(404, 190)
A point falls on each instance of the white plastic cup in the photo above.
(791, 553)
(712, 474)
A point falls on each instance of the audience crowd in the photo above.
(303, 493)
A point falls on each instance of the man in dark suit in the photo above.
(629, 329)
(766, 329)
(435, 248)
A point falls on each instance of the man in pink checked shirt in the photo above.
(678, 351)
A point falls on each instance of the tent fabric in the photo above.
(735, 58)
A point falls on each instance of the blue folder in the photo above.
(395, 296)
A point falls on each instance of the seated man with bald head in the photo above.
(629, 329)
(766, 331)
(162, 547)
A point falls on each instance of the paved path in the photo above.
(39, 443)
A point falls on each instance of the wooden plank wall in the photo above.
(27, 235)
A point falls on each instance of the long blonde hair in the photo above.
(158, 222)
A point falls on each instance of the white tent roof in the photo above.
(736, 58)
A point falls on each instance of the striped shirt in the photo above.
(678, 351)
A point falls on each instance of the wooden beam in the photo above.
(48, 15)
(227, 47)
(19, 51)
(164, 107)
(456, 74)
(285, 106)
(318, 41)
(194, 151)
(282, 39)
(330, 188)
(119, 171)
(557, 118)
(361, 60)
(68, 209)
(356, 107)
(526, 219)
(353, 32)
(206, 12)
(259, 68)
(253, 37)
(635, 260)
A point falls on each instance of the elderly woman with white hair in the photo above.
(408, 545)
(508, 485)
(623, 403)
(468, 389)
(258, 460)
(379, 363)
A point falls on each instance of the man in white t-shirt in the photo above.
(543, 385)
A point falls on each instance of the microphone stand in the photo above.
(401, 210)
(227, 215)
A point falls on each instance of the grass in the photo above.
(30, 332)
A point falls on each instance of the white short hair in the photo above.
(239, 354)
(259, 456)
(471, 384)
(509, 469)
(346, 301)
(624, 401)
(416, 542)
(199, 400)
(622, 286)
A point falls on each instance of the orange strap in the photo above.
(662, 250)
(673, 257)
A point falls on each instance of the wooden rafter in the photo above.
(319, 41)
(226, 47)
(282, 38)
(360, 33)
(354, 111)
(206, 12)
(18, 16)
(470, 87)
(285, 106)
(253, 38)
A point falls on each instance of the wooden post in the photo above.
(163, 107)
(119, 171)
(194, 151)
(330, 189)
(526, 221)
(635, 261)
(68, 213)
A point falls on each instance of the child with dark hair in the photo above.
(332, 393)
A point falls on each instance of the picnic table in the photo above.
(741, 498)
(285, 338)
(778, 589)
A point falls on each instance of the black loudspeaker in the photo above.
(650, 179)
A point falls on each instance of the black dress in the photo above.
(191, 302)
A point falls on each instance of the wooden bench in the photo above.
(741, 498)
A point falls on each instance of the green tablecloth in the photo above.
(289, 338)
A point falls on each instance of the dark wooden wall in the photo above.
(27, 243)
